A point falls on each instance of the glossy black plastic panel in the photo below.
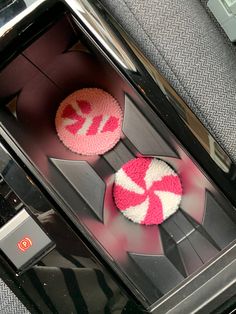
(157, 269)
(134, 124)
(216, 220)
(85, 181)
(61, 281)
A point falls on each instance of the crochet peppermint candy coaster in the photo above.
(89, 121)
(147, 190)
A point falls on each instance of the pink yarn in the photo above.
(147, 190)
(94, 126)
(89, 121)
(85, 106)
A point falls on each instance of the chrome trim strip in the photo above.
(214, 269)
(131, 61)
(111, 41)
(12, 23)
(189, 118)
(13, 224)
(116, 45)
(88, 14)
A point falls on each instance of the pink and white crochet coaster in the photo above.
(89, 121)
(147, 190)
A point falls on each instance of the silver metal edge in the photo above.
(115, 42)
(97, 23)
(13, 224)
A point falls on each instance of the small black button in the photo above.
(14, 201)
(22, 240)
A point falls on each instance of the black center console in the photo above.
(73, 48)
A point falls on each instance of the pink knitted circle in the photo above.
(89, 121)
(147, 190)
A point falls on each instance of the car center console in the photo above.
(63, 46)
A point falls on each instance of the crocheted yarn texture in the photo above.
(147, 190)
(89, 121)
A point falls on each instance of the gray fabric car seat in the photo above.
(186, 45)
(9, 303)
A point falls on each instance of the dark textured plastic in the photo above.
(183, 223)
(202, 246)
(136, 123)
(159, 270)
(217, 222)
(190, 257)
(173, 230)
(85, 181)
(171, 250)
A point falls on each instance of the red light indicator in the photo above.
(24, 244)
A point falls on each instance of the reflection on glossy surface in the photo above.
(9, 9)
(109, 40)
(101, 29)
(15, 12)
(148, 75)
(131, 61)
(69, 279)
(104, 33)
(194, 124)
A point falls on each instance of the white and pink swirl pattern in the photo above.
(147, 190)
(89, 121)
